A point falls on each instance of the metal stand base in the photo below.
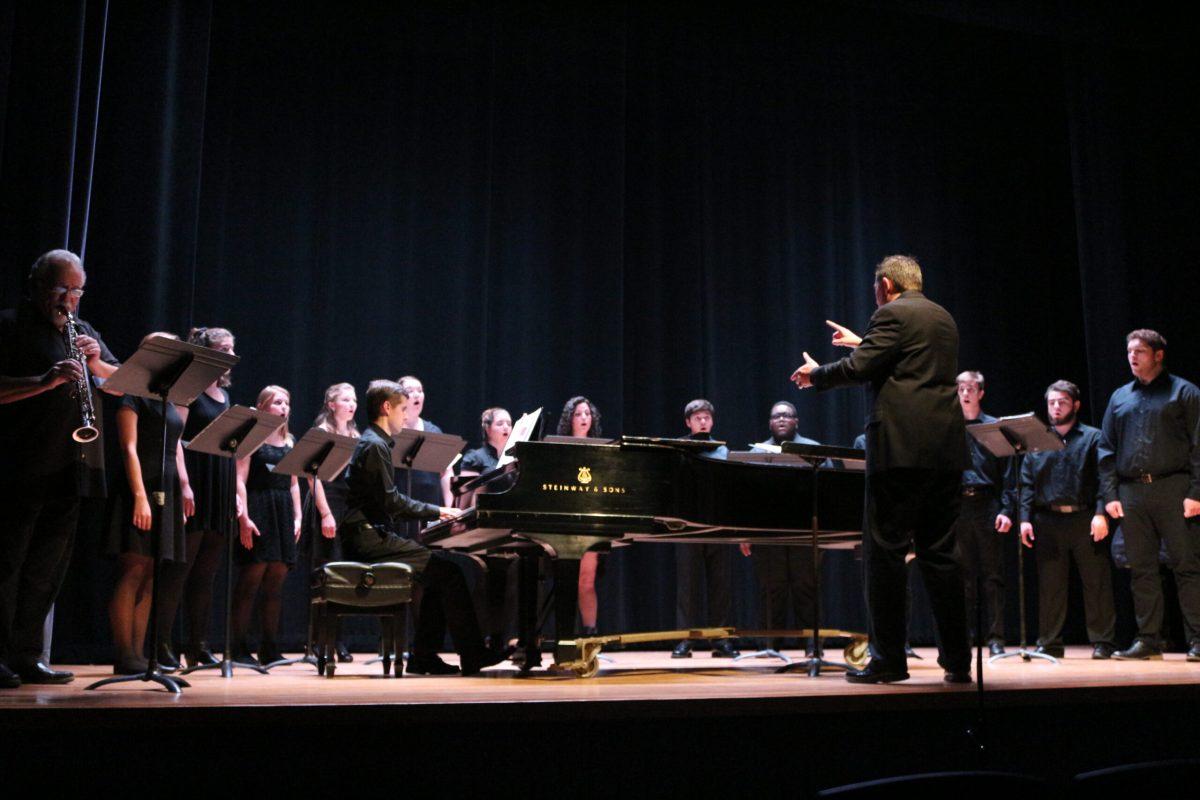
(768, 653)
(1026, 655)
(169, 682)
(307, 658)
(812, 666)
(226, 666)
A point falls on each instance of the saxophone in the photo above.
(82, 390)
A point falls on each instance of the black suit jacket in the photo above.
(909, 357)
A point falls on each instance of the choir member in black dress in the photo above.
(497, 426)
(207, 482)
(580, 417)
(139, 430)
(329, 497)
(269, 528)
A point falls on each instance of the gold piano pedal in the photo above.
(582, 656)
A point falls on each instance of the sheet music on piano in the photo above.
(521, 431)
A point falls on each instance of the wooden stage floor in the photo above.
(639, 679)
(644, 721)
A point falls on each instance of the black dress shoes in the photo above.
(1054, 651)
(167, 661)
(242, 655)
(130, 666)
(1140, 651)
(682, 650)
(1193, 653)
(201, 656)
(8, 678)
(876, 672)
(723, 648)
(38, 672)
(956, 676)
(910, 653)
(472, 665)
(1103, 651)
(430, 665)
(996, 648)
(344, 656)
(269, 655)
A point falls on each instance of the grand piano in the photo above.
(561, 499)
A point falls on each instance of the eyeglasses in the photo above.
(61, 290)
(783, 415)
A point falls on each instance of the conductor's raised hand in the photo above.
(802, 377)
(843, 336)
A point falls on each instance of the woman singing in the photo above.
(269, 528)
(580, 417)
(139, 430)
(209, 480)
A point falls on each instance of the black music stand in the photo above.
(173, 372)
(319, 455)
(817, 456)
(236, 433)
(1014, 437)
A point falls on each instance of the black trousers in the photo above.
(446, 600)
(703, 569)
(785, 581)
(1154, 513)
(1057, 539)
(35, 549)
(913, 507)
(981, 554)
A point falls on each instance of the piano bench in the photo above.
(350, 588)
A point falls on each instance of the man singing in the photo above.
(1150, 479)
(46, 471)
(915, 457)
(1062, 510)
(374, 507)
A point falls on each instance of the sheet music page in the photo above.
(521, 431)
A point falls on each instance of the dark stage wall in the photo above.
(532, 201)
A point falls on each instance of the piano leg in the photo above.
(527, 608)
(566, 602)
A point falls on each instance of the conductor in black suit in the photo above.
(915, 457)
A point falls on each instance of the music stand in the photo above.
(319, 455)
(172, 372)
(1013, 437)
(817, 457)
(236, 433)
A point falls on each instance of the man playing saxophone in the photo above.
(46, 471)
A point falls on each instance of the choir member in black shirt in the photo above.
(1150, 480)
(45, 470)
(784, 574)
(139, 429)
(207, 484)
(988, 506)
(1062, 516)
(368, 533)
(703, 568)
(580, 417)
(497, 426)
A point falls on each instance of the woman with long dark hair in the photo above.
(580, 417)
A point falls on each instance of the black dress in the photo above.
(336, 492)
(211, 477)
(269, 503)
(123, 537)
(426, 486)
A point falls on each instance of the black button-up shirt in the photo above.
(373, 497)
(1151, 429)
(35, 433)
(481, 460)
(1067, 477)
(997, 476)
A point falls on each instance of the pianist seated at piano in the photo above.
(376, 509)
(581, 418)
(703, 571)
(784, 574)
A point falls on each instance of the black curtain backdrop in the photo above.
(525, 202)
